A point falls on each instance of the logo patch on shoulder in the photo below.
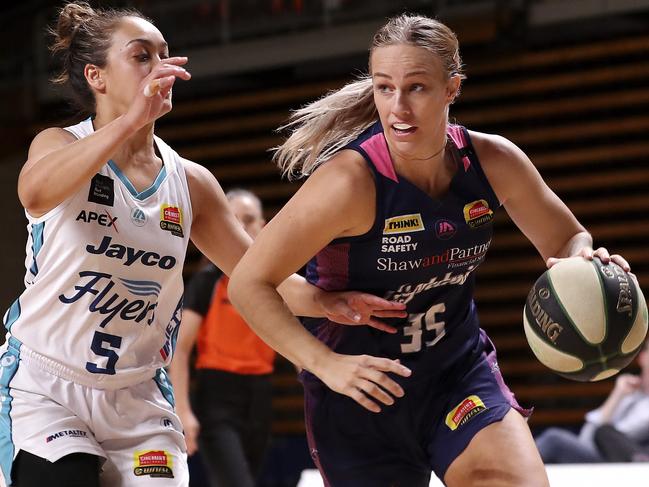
(464, 412)
(404, 224)
(102, 190)
(171, 219)
(154, 463)
(477, 213)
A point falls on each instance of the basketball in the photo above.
(585, 320)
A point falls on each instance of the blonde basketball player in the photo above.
(84, 399)
(403, 206)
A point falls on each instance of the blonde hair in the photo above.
(83, 35)
(321, 128)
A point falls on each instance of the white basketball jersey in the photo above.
(103, 297)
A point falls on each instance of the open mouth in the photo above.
(403, 128)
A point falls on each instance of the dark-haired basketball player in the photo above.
(84, 397)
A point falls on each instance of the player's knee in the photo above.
(494, 476)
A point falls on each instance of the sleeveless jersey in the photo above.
(104, 287)
(421, 251)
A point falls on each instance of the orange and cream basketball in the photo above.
(585, 320)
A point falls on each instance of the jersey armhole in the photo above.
(475, 162)
(58, 208)
(181, 169)
(33, 220)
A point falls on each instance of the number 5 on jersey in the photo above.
(420, 322)
(104, 345)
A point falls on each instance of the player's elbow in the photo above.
(31, 194)
(238, 288)
(27, 193)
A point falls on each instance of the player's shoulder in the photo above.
(194, 170)
(498, 155)
(347, 169)
(200, 179)
(492, 146)
(51, 138)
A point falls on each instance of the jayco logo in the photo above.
(111, 304)
(129, 255)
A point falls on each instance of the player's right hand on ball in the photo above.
(364, 378)
(153, 97)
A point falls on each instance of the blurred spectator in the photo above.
(615, 446)
(621, 424)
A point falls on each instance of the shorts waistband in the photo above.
(95, 381)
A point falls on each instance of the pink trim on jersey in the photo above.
(456, 134)
(377, 148)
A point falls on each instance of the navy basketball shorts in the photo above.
(423, 431)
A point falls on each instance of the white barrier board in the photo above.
(592, 475)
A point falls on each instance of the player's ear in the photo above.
(453, 88)
(94, 77)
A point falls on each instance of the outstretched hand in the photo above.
(152, 99)
(357, 308)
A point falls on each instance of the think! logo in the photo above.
(404, 224)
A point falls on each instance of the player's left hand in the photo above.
(356, 308)
(601, 253)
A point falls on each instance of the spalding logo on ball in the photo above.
(585, 320)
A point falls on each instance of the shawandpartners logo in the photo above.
(453, 258)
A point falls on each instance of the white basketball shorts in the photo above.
(134, 429)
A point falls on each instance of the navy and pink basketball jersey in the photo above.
(420, 251)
